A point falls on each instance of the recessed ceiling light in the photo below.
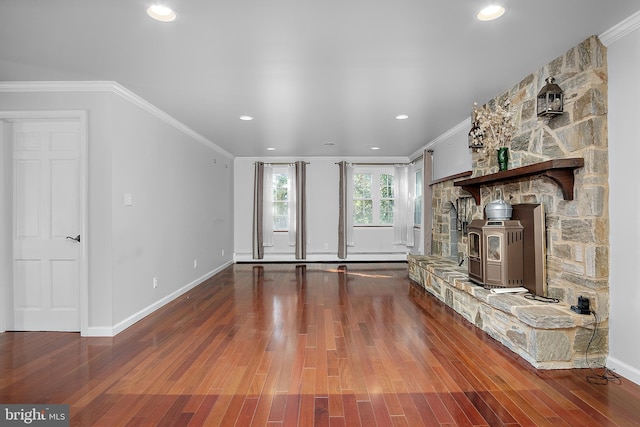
(375, 148)
(246, 118)
(271, 149)
(402, 117)
(491, 12)
(161, 13)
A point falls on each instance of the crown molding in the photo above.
(116, 88)
(620, 30)
(58, 86)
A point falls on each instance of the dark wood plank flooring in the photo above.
(303, 345)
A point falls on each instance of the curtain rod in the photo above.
(281, 163)
(383, 164)
(374, 164)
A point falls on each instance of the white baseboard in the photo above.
(99, 331)
(324, 257)
(629, 372)
(105, 331)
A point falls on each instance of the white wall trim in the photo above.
(97, 331)
(105, 331)
(621, 29)
(621, 368)
(463, 125)
(114, 87)
(323, 257)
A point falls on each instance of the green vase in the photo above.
(503, 158)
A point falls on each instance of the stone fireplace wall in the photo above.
(577, 231)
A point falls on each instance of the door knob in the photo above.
(77, 238)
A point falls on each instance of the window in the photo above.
(373, 197)
(417, 210)
(280, 200)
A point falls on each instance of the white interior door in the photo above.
(47, 221)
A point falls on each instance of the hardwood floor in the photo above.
(303, 345)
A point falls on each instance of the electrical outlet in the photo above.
(155, 282)
(223, 252)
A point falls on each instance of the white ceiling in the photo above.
(331, 71)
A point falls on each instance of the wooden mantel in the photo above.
(559, 170)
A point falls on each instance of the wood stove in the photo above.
(496, 250)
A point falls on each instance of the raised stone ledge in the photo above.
(549, 336)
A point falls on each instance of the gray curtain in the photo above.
(342, 211)
(258, 206)
(427, 201)
(301, 210)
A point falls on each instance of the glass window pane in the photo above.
(362, 212)
(281, 208)
(386, 186)
(281, 222)
(280, 201)
(417, 212)
(280, 194)
(386, 212)
(493, 248)
(280, 186)
(474, 245)
(362, 185)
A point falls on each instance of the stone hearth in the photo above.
(549, 336)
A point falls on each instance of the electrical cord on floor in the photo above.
(606, 375)
(541, 298)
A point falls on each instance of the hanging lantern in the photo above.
(476, 135)
(550, 99)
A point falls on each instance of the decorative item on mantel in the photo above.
(550, 99)
(492, 130)
(503, 158)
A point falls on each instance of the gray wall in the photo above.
(624, 205)
(181, 211)
(451, 154)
